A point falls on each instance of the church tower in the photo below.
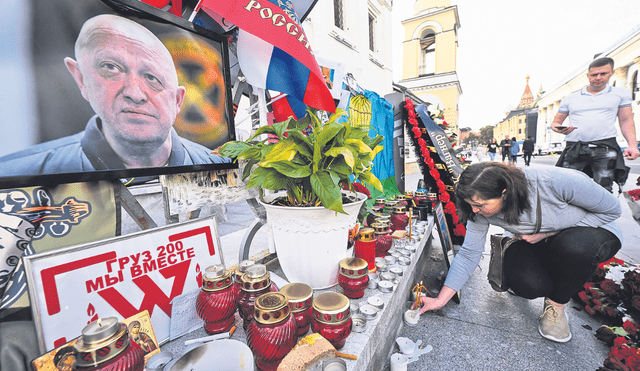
(429, 56)
(527, 97)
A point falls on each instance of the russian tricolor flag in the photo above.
(273, 50)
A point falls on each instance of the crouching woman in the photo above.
(577, 233)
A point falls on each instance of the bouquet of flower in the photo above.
(615, 293)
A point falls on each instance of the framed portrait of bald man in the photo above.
(112, 89)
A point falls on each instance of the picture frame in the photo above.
(205, 119)
(119, 277)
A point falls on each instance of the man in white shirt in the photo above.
(591, 136)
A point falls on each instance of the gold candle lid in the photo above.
(420, 194)
(98, 335)
(299, 295)
(432, 196)
(400, 210)
(380, 200)
(366, 234)
(380, 228)
(376, 209)
(256, 278)
(271, 308)
(354, 267)
(408, 194)
(400, 197)
(383, 216)
(216, 278)
(390, 203)
(331, 308)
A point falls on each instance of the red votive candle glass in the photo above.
(255, 282)
(272, 332)
(365, 247)
(399, 219)
(300, 297)
(218, 300)
(105, 345)
(383, 239)
(354, 276)
(332, 317)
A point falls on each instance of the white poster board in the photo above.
(120, 277)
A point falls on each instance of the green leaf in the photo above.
(267, 178)
(345, 152)
(292, 170)
(322, 137)
(247, 168)
(368, 178)
(280, 128)
(303, 145)
(264, 130)
(233, 149)
(341, 167)
(328, 192)
(358, 145)
(281, 151)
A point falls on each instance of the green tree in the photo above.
(486, 134)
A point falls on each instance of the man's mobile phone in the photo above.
(562, 127)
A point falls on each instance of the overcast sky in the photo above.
(503, 41)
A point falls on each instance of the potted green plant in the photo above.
(311, 220)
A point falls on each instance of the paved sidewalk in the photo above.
(498, 331)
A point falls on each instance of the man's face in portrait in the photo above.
(599, 77)
(129, 79)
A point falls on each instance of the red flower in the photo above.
(583, 296)
(459, 230)
(589, 310)
(441, 186)
(630, 327)
(444, 197)
(360, 188)
(610, 288)
(450, 208)
(422, 143)
(633, 362)
(635, 302)
(431, 165)
(416, 131)
(456, 220)
(435, 174)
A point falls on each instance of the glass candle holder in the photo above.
(218, 300)
(354, 276)
(380, 201)
(300, 297)
(255, 282)
(273, 331)
(390, 206)
(105, 345)
(402, 201)
(383, 239)
(240, 270)
(365, 247)
(399, 219)
(371, 217)
(419, 195)
(332, 317)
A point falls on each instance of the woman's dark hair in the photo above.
(488, 180)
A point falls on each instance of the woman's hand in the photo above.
(446, 293)
(535, 238)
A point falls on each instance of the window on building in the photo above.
(519, 131)
(428, 53)
(634, 85)
(338, 14)
(372, 32)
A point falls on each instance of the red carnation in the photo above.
(434, 173)
(610, 288)
(459, 230)
(633, 362)
(450, 208)
(456, 220)
(589, 309)
(635, 302)
(444, 197)
(360, 188)
(630, 327)
(441, 186)
(431, 165)
(421, 142)
(416, 131)
(584, 297)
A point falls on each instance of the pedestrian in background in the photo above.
(527, 150)
(505, 148)
(515, 148)
(591, 136)
(492, 148)
(577, 232)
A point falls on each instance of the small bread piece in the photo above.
(399, 234)
(309, 350)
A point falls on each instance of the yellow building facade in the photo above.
(515, 122)
(429, 57)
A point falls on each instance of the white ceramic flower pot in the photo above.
(311, 241)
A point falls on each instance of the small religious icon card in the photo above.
(141, 332)
(62, 358)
